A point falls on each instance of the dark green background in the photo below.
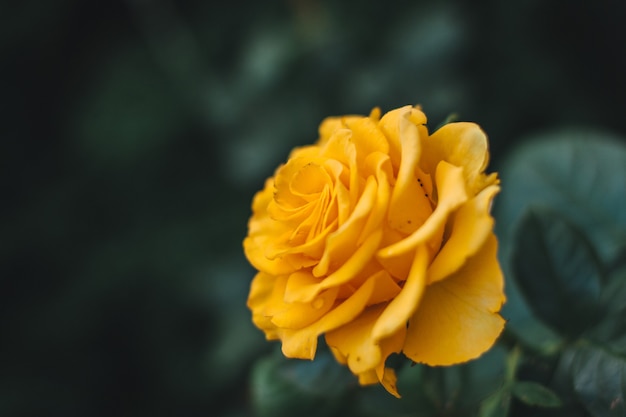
(135, 133)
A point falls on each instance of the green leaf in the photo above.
(289, 387)
(599, 380)
(444, 385)
(460, 389)
(535, 336)
(496, 405)
(579, 172)
(435, 391)
(611, 329)
(532, 393)
(481, 377)
(556, 268)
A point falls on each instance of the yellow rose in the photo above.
(379, 237)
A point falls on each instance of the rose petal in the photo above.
(312, 249)
(377, 213)
(462, 144)
(390, 126)
(367, 137)
(306, 152)
(310, 180)
(264, 234)
(457, 319)
(362, 352)
(409, 207)
(452, 194)
(340, 148)
(387, 376)
(302, 343)
(399, 310)
(368, 378)
(297, 315)
(375, 114)
(389, 380)
(261, 290)
(361, 257)
(386, 288)
(342, 243)
(472, 226)
(283, 195)
(354, 341)
(254, 248)
(331, 125)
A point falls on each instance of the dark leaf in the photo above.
(497, 405)
(556, 268)
(289, 387)
(611, 330)
(579, 172)
(532, 393)
(599, 380)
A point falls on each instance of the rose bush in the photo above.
(379, 236)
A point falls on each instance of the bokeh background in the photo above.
(135, 133)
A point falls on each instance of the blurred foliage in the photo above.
(136, 132)
(563, 246)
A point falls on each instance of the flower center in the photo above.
(305, 199)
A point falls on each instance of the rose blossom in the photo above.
(379, 236)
